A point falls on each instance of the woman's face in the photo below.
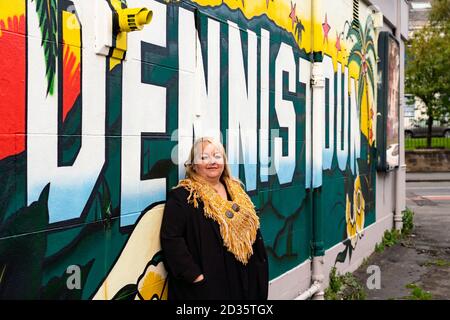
(208, 161)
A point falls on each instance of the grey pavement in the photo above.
(427, 176)
(423, 258)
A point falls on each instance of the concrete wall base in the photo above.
(427, 160)
(294, 282)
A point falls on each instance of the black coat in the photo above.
(192, 245)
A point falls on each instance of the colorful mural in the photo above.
(90, 143)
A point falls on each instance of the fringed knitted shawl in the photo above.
(237, 219)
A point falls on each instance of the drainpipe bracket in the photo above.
(317, 76)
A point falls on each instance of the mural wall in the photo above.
(90, 144)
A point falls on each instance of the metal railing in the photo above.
(416, 135)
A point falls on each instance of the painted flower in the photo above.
(355, 218)
(152, 284)
(351, 224)
(139, 272)
(358, 205)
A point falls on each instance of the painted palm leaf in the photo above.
(369, 26)
(370, 47)
(298, 30)
(46, 10)
(361, 53)
(355, 24)
(370, 74)
(360, 90)
(356, 54)
(355, 33)
(369, 62)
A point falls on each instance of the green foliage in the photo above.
(390, 238)
(427, 65)
(420, 143)
(344, 287)
(418, 293)
(440, 12)
(365, 262)
(379, 247)
(438, 263)
(408, 221)
(426, 70)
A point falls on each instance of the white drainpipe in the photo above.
(399, 195)
(310, 292)
(316, 291)
(401, 170)
(318, 278)
(318, 93)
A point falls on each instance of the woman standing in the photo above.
(210, 233)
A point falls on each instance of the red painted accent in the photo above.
(338, 42)
(326, 29)
(12, 85)
(292, 15)
(71, 80)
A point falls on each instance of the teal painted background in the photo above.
(35, 254)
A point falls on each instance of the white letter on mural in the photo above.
(342, 127)
(70, 186)
(285, 165)
(199, 107)
(264, 108)
(143, 111)
(328, 151)
(305, 78)
(355, 133)
(242, 112)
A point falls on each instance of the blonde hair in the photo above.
(189, 164)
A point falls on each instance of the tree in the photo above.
(440, 12)
(428, 65)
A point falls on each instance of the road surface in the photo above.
(422, 259)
